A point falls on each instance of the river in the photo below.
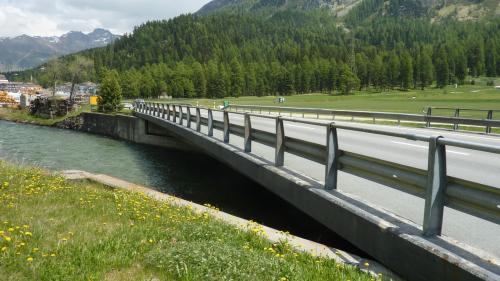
(192, 176)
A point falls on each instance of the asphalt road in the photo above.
(461, 163)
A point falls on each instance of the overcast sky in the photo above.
(55, 17)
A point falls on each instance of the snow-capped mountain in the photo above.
(25, 51)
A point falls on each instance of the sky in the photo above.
(56, 17)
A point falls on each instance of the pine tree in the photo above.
(110, 92)
(237, 79)
(406, 71)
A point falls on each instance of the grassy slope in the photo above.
(54, 230)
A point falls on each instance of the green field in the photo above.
(51, 229)
(475, 97)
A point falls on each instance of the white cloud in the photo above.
(55, 17)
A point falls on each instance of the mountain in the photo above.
(434, 10)
(336, 7)
(25, 51)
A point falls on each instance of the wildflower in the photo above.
(35, 250)
(366, 264)
(4, 249)
(52, 255)
(7, 238)
(27, 233)
(29, 259)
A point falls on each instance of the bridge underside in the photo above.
(393, 241)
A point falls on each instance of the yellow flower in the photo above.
(35, 249)
(7, 238)
(27, 233)
(29, 259)
(52, 255)
(366, 264)
(4, 249)
(10, 229)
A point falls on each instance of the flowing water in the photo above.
(191, 176)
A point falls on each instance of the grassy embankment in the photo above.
(23, 116)
(51, 229)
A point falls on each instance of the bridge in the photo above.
(396, 193)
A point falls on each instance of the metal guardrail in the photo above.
(434, 185)
(457, 111)
(428, 119)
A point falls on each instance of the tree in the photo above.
(78, 70)
(237, 79)
(199, 80)
(442, 68)
(424, 69)
(406, 71)
(110, 92)
(348, 80)
(53, 74)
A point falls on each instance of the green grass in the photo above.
(22, 115)
(51, 229)
(476, 97)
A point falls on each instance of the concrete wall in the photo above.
(129, 128)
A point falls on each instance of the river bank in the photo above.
(55, 229)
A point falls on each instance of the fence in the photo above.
(434, 185)
(457, 112)
(428, 119)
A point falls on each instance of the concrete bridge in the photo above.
(407, 186)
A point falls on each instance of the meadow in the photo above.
(52, 229)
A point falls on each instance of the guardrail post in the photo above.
(158, 108)
(181, 116)
(155, 109)
(489, 117)
(198, 119)
(429, 114)
(248, 133)
(332, 157)
(226, 126)
(280, 142)
(188, 117)
(210, 123)
(163, 111)
(436, 188)
(147, 108)
(168, 112)
(457, 115)
(174, 119)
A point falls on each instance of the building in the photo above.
(3, 80)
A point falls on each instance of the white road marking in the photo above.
(425, 147)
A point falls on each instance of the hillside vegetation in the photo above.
(379, 45)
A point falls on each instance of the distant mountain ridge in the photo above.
(25, 51)
(461, 10)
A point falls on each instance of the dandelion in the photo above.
(7, 238)
(27, 233)
(4, 249)
(35, 250)
(29, 259)
(52, 255)
(366, 264)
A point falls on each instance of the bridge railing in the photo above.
(434, 185)
(428, 119)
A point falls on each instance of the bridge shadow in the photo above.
(200, 178)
